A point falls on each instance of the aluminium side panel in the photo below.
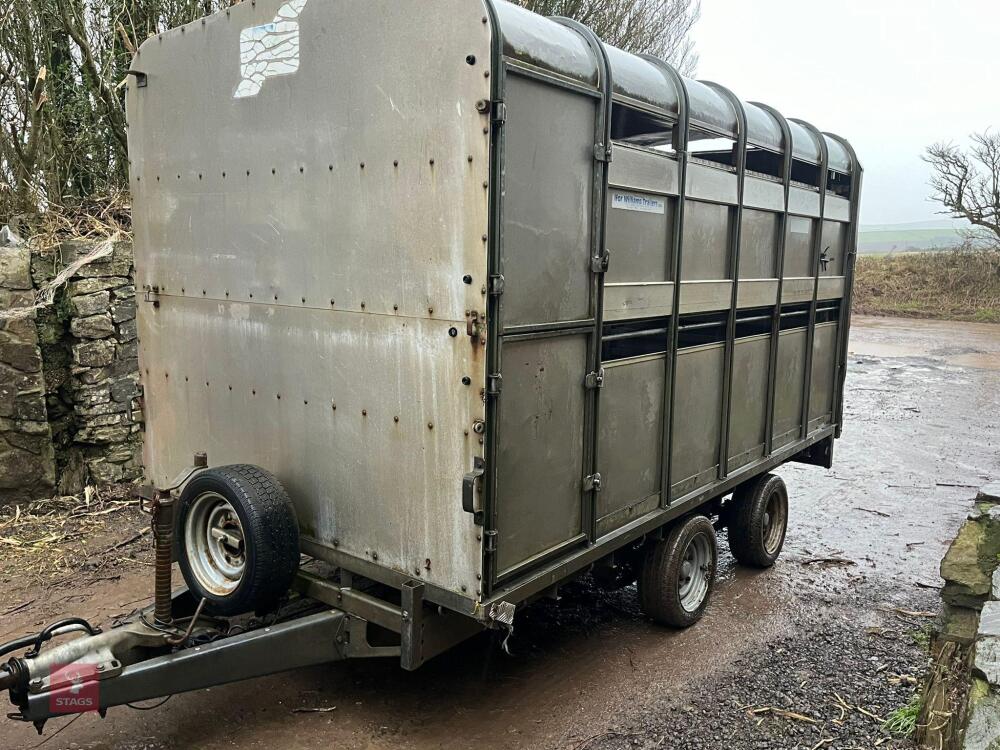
(542, 408)
(310, 185)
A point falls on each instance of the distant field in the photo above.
(903, 237)
(955, 285)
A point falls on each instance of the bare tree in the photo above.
(62, 118)
(967, 183)
(657, 27)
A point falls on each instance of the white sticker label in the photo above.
(269, 50)
(632, 202)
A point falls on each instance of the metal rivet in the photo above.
(395, 163)
(479, 577)
(453, 332)
(362, 165)
(333, 406)
(395, 419)
(362, 305)
(305, 401)
(467, 279)
(430, 310)
(466, 380)
(364, 412)
(430, 425)
(279, 397)
(486, 238)
(333, 302)
(301, 170)
(395, 307)
(432, 162)
(486, 74)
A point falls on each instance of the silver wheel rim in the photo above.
(775, 518)
(695, 572)
(213, 539)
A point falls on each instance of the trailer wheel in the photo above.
(678, 573)
(758, 520)
(239, 539)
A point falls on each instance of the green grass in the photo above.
(922, 637)
(903, 721)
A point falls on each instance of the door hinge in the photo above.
(595, 379)
(497, 283)
(600, 263)
(490, 541)
(470, 485)
(593, 482)
(499, 113)
(494, 383)
(602, 153)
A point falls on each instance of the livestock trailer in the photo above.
(460, 302)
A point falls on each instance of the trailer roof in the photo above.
(553, 48)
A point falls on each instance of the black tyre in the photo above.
(758, 520)
(239, 539)
(678, 573)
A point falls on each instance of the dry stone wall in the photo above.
(71, 385)
(27, 460)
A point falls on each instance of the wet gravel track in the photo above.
(923, 407)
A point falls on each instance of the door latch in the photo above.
(600, 263)
(470, 484)
(593, 482)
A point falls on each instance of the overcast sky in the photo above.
(892, 76)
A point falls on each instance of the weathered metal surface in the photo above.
(798, 247)
(309, 243)
(631, 424)
(788, 386)
(824, 354)
(759, 258)
(706, 241)
(642, 170)
(549, 143)
(541, 456)
(637, 229)
(698, 401)
(749, 400)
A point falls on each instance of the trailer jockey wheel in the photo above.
(678, 573)
(757, 521)
(239, 539)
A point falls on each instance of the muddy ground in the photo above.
(814, 653)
